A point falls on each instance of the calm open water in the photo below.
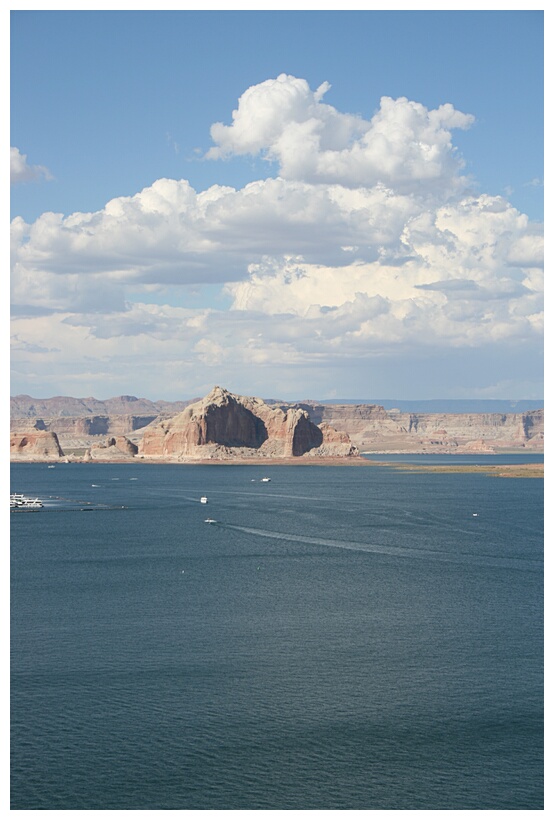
(341, 638)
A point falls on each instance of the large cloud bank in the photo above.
(368, 244)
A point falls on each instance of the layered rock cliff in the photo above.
(372, 428)
(224, 425)
(83, 426)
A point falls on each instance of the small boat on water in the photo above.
(266, 480)
(18, 501)
(204, 499)
(210, 521)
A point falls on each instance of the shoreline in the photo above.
(523, 470)
(529, 470)
(331, 461)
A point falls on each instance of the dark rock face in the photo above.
(305, 436)
(232, 425)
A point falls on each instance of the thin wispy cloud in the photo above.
(22, 171)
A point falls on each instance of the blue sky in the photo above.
(326, 242)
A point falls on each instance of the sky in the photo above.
(294, 205)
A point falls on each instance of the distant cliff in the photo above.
(221, 424)
(372, 428)
(84, 426)
(73, 419)
(27, 407)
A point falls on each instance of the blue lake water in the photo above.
(340, 638)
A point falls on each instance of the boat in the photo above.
(210, 521)
(204, 499)
(266, 480)
(18, 501)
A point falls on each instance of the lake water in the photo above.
(340, 638)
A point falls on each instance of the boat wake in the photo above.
(384, 549)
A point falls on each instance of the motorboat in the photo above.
(210, 521)
(204, 499)
(18, 501)
(265, 480)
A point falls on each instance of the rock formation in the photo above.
(36, 445)
(117, 448)
(232, 426)
(223, 425)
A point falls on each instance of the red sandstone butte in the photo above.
(36, 445)
(226, 426)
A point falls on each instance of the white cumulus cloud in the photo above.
(404, 145)
(368, 246)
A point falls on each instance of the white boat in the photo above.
(210, 521)
(18, 501)
(266, 479)
(204, 499)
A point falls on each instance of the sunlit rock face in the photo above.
(35, 445)
(226, 426)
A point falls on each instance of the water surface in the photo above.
(340, 638)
